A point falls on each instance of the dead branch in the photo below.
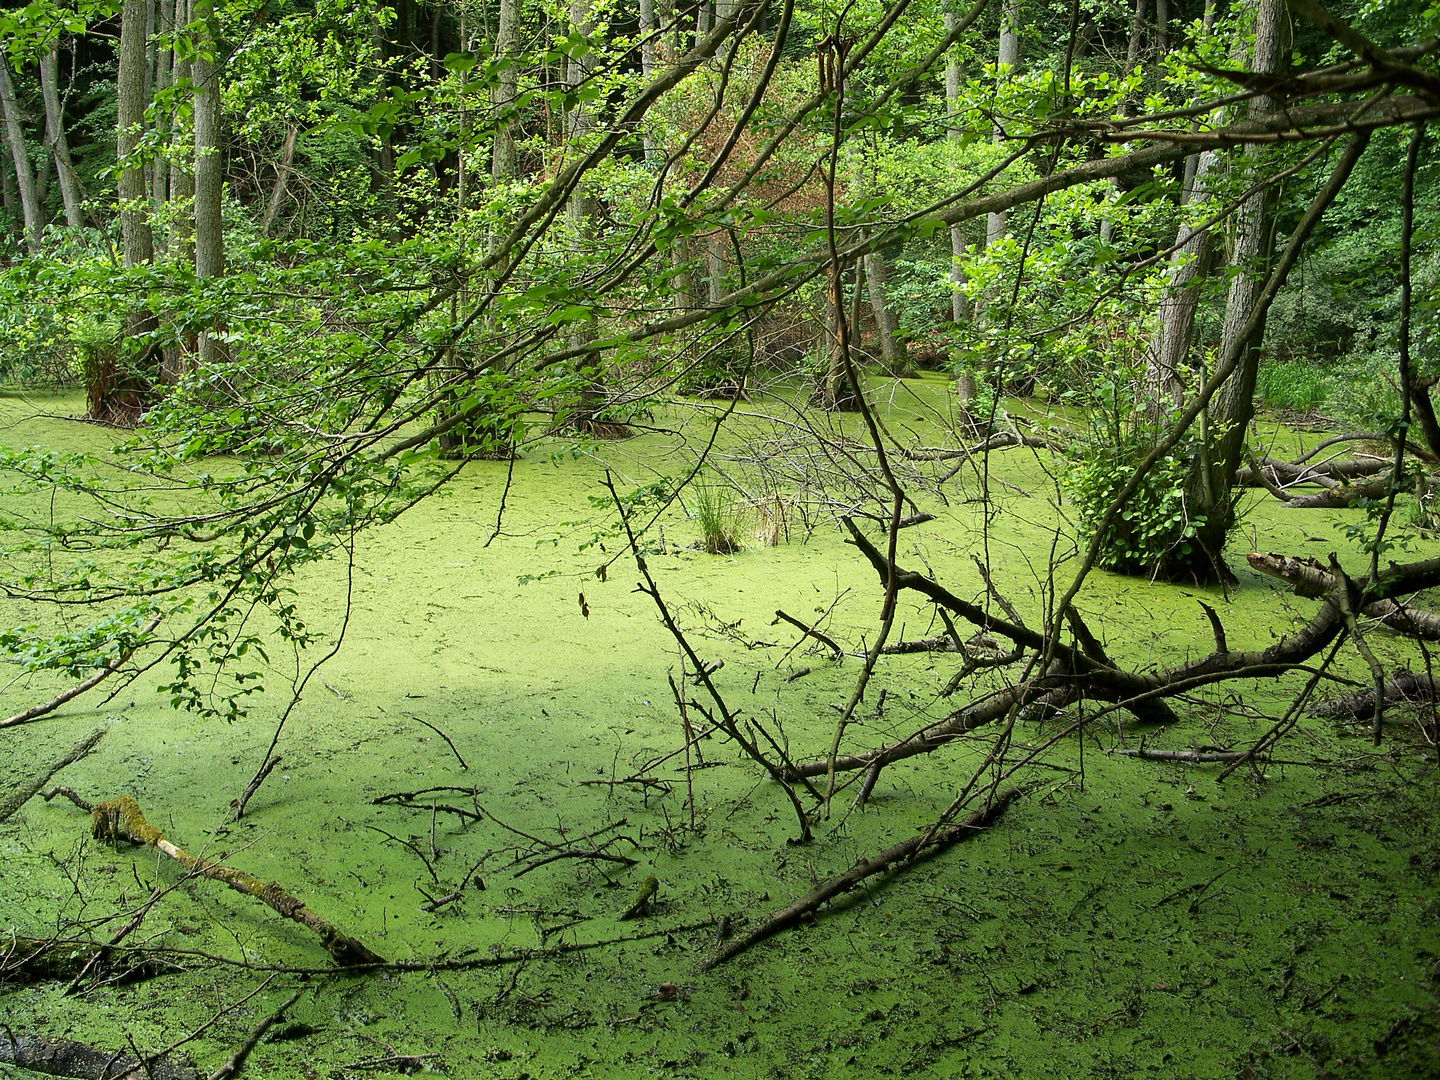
(1197, 756)
(121, 819)
(108, 669)
(236, 1061)
(62, 1057)
(810, 631)
(1404, 687)
(24, 791)
(1312, 579)
(893, 857)
(237, 808)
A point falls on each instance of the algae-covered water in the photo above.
(1126, 918)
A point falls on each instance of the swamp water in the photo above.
(1128, 918)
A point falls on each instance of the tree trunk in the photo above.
(647, 62)
(209, 163)
(957, 234)
(892, 354)
(1007, 61)
(1170, 347)
(503, 164)
(1127, 107)
(282, 180)
(24, 174)
(164, 125)
(182, 176)
(70, 189)
(137, 241)
(579, 123)
(1212, 474)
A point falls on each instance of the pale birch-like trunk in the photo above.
(282, 181)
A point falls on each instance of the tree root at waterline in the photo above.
(121, 819)
(906, 851)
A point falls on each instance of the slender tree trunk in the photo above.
(135, 236)
(209, 163)
(647, 63)
(957, 234)
(282, 180)
(1192, 163)
(579, 124)
(503, 165)
(182, 155)
(9, 196)
(892, 353)
(71, 191)
(1189, 266)
(24, 174)
(385, 153)
(1007, 61)
(164, 125)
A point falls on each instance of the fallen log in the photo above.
(1404, 687)
(1311, 579)
(1195, 756)
(121, 819)
(26, 790)
(901, 853)
(62, 1057)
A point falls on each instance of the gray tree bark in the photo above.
(503, 164)
(892, 355)
(1007, 60)
(136, 238)
(24, 174)
(282, 181)
(71, 190)
(209, 162)
(957, 234)
(1224, 428)
(164, 125)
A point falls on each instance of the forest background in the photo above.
(850, 271)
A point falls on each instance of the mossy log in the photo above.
(121, 819)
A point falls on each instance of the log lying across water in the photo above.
(121, 819)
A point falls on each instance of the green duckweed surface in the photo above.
(1125, 919)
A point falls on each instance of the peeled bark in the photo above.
(24, 175)
(71, 190)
